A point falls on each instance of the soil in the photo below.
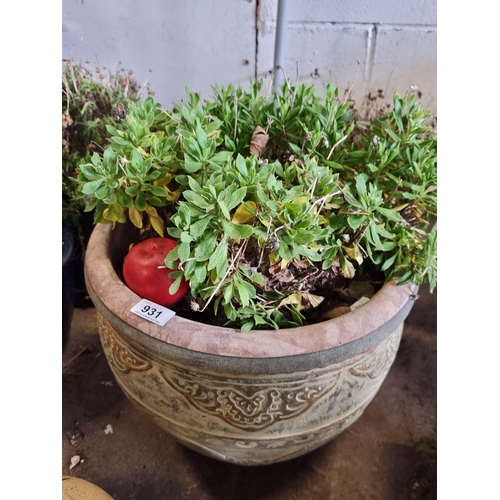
(337, 293)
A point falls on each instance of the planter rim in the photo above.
(391, 301)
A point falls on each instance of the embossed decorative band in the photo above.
(120, 355)
(378, 363)
(251, 406)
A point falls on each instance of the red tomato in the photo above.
(145, 273)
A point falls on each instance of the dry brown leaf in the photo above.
(301, 264)
(274, 269)
(259, 141)
(285, 276)
(349, 270)
(310, 300)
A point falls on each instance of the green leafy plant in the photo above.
(274, 198)
(92, 98)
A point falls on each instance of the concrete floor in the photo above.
(388, 454)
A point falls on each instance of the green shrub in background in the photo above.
(92, 98)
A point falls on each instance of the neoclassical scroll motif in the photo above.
(379, 362)
(120, 355)
(253, 405)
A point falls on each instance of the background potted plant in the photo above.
(287, 213)
(92, 98)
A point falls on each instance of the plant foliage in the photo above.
(92, 98)
(265, 189)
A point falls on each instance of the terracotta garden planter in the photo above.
(254, 398)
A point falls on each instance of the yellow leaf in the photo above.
(157, 223)
(400, 207)
(135, 216)
(242, 215)
(173, 195)
(332, 206)
(273, 259)
(354, 253)
(284, 263)
(151, 210)
(102, 220)
(163, 181)
(293, 299)
(114, 213)
(301, 199)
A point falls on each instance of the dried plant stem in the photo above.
(353, 82)
(340, 141)
(264, 247)
(235, 98)
(229, 270)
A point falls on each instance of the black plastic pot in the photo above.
(68, 250)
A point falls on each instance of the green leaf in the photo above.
(237, 231)
(219, 256)
(199, 227)
(120, 141)
(236, 198)
(361, 184)
(390, 214)
(220, 158)
(193, 148)
(172, 257)
(183, 251)
(391, 133)
(154, 200)
(355, 221)
(140, 201)
(247, 326)
(196, 199)
(388, 263)
(241, 165)
(303, 238)
(174, 287)
(191, 165)
(205, 248)
(88, 171)
(242, 294)
(201, 136)
(200, 272)
(112, 130)
(309, 253)
(133, 190)
(123, 198)
(372, 230)
(91, 187)
(224, 210)
(158, 191)
(284, 252)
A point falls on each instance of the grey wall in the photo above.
(365, 46)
